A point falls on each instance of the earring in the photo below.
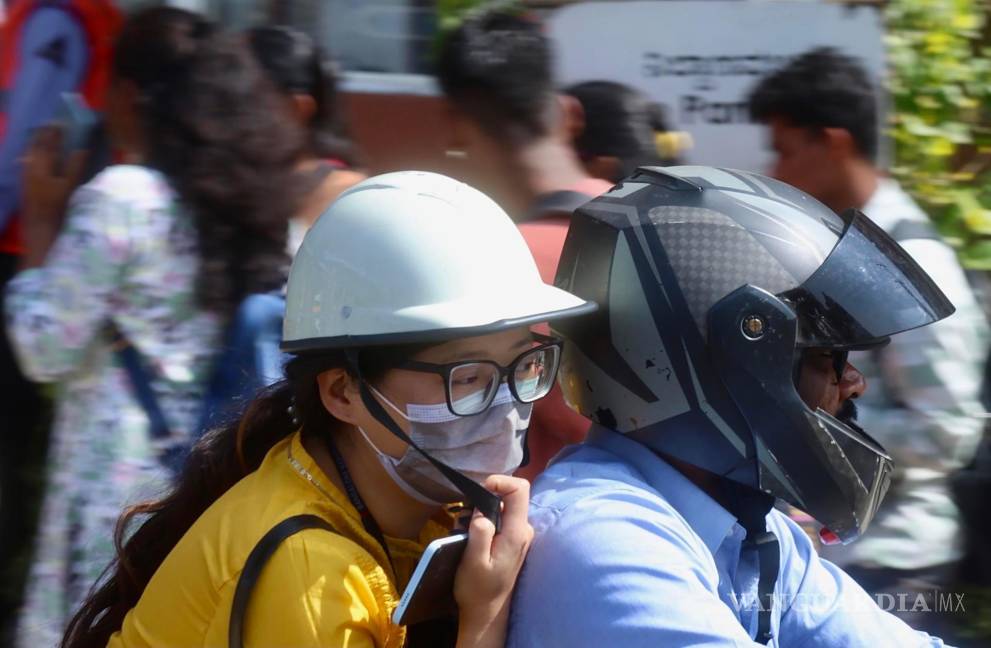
(459, 154)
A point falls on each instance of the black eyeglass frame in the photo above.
(840, 358)
(445, 370)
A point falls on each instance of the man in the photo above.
(821, 110)
(715, 372)
(514, 132)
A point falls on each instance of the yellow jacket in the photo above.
(318, 589)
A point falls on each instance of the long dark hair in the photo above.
(297, 65)
(218, 461)
(210, 119)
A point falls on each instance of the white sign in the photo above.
(700, 59)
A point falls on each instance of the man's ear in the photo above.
(840, 143)
(573, 117)
(339, 394)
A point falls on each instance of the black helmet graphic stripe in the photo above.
(633, 268)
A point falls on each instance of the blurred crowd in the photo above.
(129, 250)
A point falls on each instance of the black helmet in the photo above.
(710, 282)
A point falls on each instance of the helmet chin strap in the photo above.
(475, 495)
(750, 507)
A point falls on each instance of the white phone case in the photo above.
(430, 592)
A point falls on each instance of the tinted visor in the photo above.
(866, 290)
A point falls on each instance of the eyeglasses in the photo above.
(838, 358)
(471, 386)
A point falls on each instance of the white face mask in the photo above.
(476, 446)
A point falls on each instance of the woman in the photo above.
(407, 313)
(306, 78)
(159, 249)
(622, 129)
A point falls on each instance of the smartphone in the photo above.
(430, 592)
(78, 122)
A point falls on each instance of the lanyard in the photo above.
(352, 492)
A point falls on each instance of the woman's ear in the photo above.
(573, 117)
(606, 167)
(305, 107)
(339, 394)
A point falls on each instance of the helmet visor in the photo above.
(849, 463)
(866, 290)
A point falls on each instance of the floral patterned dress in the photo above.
(127, 255)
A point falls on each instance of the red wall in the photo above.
(400, 132)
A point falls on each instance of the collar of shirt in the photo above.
(889, 204)
(706, 517)
(580, 472)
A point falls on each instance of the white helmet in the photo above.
(412, 257)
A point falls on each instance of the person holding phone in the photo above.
(161, 247)
(412, 377)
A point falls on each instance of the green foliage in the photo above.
(452, 12)
(940, 84)
(975, 625)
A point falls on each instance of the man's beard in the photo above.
(848, 411)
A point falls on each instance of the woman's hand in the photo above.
(487, 574)
(46, 191)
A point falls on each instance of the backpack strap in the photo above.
(555, 203)
(140, 380)
(248, 361)
(256, 561)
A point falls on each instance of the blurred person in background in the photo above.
(620, 129)
(307, 78)
(152, 254)
(46, 49)
(821, 111)
(512, 128)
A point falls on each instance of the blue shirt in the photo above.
(52, 59)
(628, 552)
